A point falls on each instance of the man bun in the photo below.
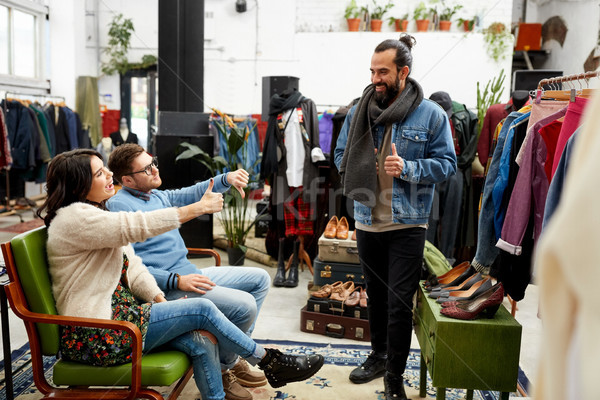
(408, 40)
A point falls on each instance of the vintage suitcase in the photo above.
(332, 307)
(338, 250)
(329, 272)
(334, 325)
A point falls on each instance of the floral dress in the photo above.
(104, 347)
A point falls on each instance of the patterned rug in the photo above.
(23, 226)
(330, 382)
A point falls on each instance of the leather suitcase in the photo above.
(334, 325)
(338, 250)
(332, 307)
(329, 272)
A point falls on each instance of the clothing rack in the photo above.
(568, 78)
(9, 95)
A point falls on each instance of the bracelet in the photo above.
(177, 283)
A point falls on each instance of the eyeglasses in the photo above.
(148, 169)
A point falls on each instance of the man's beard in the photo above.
(383, 99)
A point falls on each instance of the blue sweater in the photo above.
(165, 255)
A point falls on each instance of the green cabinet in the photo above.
(482, 354)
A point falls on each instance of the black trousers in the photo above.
(391, 263)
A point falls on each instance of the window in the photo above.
(21, 44)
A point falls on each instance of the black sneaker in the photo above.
(372, 368)
(281, 369)
(394, 387)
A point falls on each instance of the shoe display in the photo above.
(393, 386)
(447, 277)
(473, 279)
(326, 290)
(233, 390)
(457, 279)
(331, 228)
(363, 298)
(246, 377)
(281, 369)
(341, 292)
(486, 304)
(280, 274)
(373, 367)
(470, 294)
(354, 299)
(342, 229)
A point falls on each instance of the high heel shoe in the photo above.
(363, 298)
(486, 304)
(437, 281)
(466, 285)
(466, 295)
(457, 279)
(342, 229)
(331, 228)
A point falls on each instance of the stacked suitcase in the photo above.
(337, 260)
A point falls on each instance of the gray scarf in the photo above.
(358, 170)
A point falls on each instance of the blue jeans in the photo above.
(173, 323)
(239, 294)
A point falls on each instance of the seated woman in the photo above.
(96, 274)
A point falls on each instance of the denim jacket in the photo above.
(424, 141)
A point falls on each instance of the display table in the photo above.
(482, 354)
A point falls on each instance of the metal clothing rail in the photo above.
(568, 78)
(8, 94)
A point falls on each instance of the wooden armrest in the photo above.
(17, 304)
(208, 252)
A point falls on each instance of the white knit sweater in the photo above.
(85, 252)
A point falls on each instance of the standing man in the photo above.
(392, 149)
(237, 292)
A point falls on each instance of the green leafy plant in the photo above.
(498, 40)
(421, 12)
(392, 20)
(119, 33)
(448, 12)
(235, 215)
(470, 22)
(488, 97)
(379, 11)
(352, 10)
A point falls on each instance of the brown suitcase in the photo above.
(334, 325)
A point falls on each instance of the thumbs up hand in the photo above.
(394, 164)
(239, 180)
(211, 202)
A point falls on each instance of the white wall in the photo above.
(273, 38)
(582, 18)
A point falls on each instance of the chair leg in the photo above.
(181, 384)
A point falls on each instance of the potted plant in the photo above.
(468, 24)
(498, 40)
(421, 17)
(446, 15)
(235, 214)
(400, 23)
(352, 15)
(377, 15)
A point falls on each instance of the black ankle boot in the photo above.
(393, 385)
(280, 274)
(281, 369)
(373, 367)
(292, 278)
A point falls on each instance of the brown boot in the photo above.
(246, 377)
(233, 390)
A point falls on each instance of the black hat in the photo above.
(444, 100)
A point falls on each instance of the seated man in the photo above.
(237, 292)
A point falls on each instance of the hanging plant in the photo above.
(498, 40)
(119, 33)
